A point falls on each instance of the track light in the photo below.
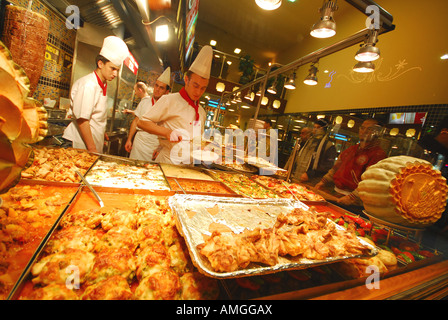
(364, 67)
(368, 52)
(291, 82)
(272, 89)
(311, 79)
(326, 26)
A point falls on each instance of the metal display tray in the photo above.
(194, 218)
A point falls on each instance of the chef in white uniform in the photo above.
(88, 100)
(178, 118)
(144, 144)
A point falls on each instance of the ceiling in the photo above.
(261, 34)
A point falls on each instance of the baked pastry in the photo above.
(113, 288)
(112, 262)
(73, 237)
(404, 190)
(161, 285)
(195, 286)
(52, 292)
(89, 218)
(115, 217)
(55, 268)
(152, 259)
(117, 237)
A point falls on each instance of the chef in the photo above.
(145, 144)
(177, 118)
(88, 100)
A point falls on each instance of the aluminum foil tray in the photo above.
(197, 216)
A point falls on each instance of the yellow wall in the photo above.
(409, 72)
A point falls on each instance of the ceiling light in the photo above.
(326, 26)
(364, 67)
(269, 4)
(229, 62)
(272, 89)
(368, 52)
(220, 87)
(237, 50)
(245, 107)
(264, 101)
(291, 82)
(276, 104)
(258, 93)
(213, 43)
(444, 57)
(162, 33)
(311, 79)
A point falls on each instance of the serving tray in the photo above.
(197, 216)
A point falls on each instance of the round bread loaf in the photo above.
(404, 190)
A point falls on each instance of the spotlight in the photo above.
(364, 67)
(326, 26)
(368, 52)
(272, 89)
(291, 82)
(311, 79)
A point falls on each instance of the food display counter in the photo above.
(139, 241)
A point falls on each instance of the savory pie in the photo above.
(161, 285)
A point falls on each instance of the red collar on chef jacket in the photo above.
(184, 95)
(102, 85)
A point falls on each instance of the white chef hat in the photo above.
(165, 77)
(203, 62)
(115, 50)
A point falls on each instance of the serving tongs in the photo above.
(91, 189)
(180, 186)
(304, 206)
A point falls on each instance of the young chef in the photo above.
(177, 118)
(88, 100)
(145, 144)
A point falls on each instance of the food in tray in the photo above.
(174, 171)
(58, 164)
(128, 255)
(198, 186)
(278, 186)
(404, 190)
(298, 233)
(123, 175)
(244, 186)
(27, 213)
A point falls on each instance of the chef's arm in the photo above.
(86, 134)
(132, 131)
(151, 127)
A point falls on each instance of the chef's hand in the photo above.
(175, 136)
(319, 185)
(128, 146)
(347, 200)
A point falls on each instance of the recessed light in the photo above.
(237, 50)
(229, 62)
(213, 43)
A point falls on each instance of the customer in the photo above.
(352, 162)
(144, 144)
(435, 147)
(316, 156)
(304, 135)
(177, 118)
(88, 100)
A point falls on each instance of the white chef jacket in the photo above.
(144, 143)
(87, 102)
(173, 112)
